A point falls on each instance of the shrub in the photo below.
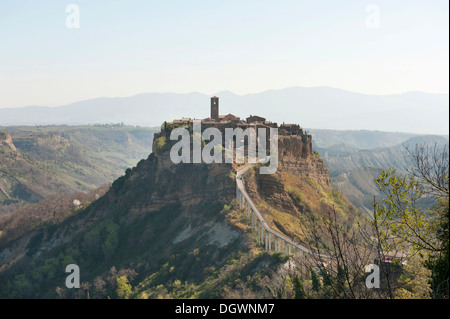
(160, 143)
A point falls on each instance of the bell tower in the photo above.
(215, 108)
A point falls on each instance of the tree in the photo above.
(430, 165)
(404, 220)
(340, 250)
(111, 241)
(86, 287)
(123, 287)
(316, 283)
(299, 292)
(160, 143)
(415, 279)
(400, 217)
(99, 287)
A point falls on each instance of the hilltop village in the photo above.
(222, 122)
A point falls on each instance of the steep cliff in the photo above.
(6, 140)
(298, 190)
(166, 222)
(296, 157)
(171, 230)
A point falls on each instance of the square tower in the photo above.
(215, 108)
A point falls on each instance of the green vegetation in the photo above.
(404, 225)
(295, 194)
(122, 257)
(355, 158)
(303, 195)
(128, 249)
(160, 143)
(298, 288)
(65, 159)
(164, 231)
(123, 287)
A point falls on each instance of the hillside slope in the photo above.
(22, 179)
(168, 230)
(38, 161)
(353, 171)
(159, 225)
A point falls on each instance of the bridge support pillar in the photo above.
(262, 233)
(242, 200)
(238, 196)
(266, 240)
(245, 211)
(259, 230)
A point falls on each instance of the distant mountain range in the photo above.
(315, 107)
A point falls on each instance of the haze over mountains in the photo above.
(314, 107)
(357, 160)
(170, 231)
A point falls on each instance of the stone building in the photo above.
(299, 141)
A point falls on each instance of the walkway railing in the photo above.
(272, 240)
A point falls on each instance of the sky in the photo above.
(52, 54)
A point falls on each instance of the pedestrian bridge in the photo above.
(266, 236)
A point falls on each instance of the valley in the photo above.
(37, 161)
(177, 218)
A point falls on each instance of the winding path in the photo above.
(271, 239)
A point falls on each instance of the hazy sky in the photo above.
(122, 48)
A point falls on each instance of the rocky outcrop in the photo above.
(296, 146)
(312, 168)
(6, 140)
(296, 157)
(271, 188)
(165, 183)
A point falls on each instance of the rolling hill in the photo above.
(352, 171)
(39, 161)
(168, 231)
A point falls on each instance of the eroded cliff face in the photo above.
(167, 219)
(157, 213)
(299, 146)
(271, 188)
(296, 157)
(298, 190)
(6, 140)
(164, 183)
